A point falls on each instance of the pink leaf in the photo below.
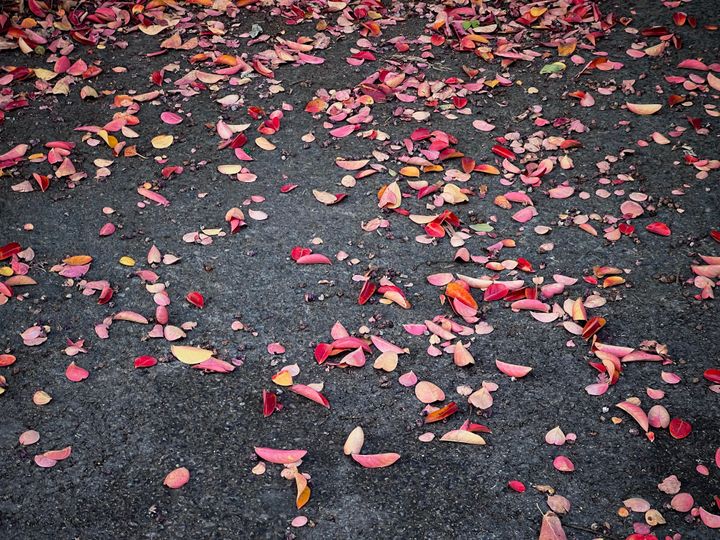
(513, 370)
(311, 394)
(563, 464)
(376, 461)
(410, 379)
(75, 373)
(428, 392)
(130, 316)
(551, 528)
(342, 131)
(29, 437)
(314, 258)
(440, 280)
(155, 197)
(171, 118)
(177, 478)
(682, 502)
(534, 305)
(636, 412)
(107, 229)
(710, 520)
(215, 365)
(44, 462)
(644, 109)
(281, 457)
(525, 215)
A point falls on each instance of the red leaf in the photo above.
(517, 485)
(322, 351)
(105, 295)
(496, 291)
(270, 404)
(9, 250)
(298, 252)
(366, 292)
(196, 299)
(679, 429)
(286, 188)
(144, 362)
(442, 413)
(435, 230)
(42, 180)
(712, 375)
(659, 228)
(503, 152)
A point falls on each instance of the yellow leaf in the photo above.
(78, 260)
(162, 141)
(127, 261)
(462, 436)
(303, 491)
(566, 49)
(263, 143)
(324, 197)
(109, 139)
(410, 171)
(282, 378)
(152, 29)
(6, 271)
(41, 398)
(190, 355)
(229, 169)
(44, 74)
